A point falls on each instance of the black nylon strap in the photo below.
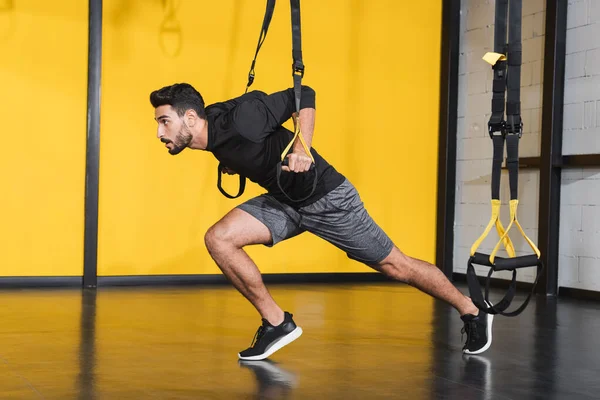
(261, 38)
(279, 165)
(298, 74)
(513, 107)
(512, 163)
(507, 78)
(498, 86)
(500, 26)
(498, 141)
(502, 305)
(499, 83)
(298, 65)
(498, 105)
(242, 184)
(513, 92)
(477, 296)
(496, 122)
(526, 301)
(263, 34)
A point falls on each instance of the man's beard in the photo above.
(182, 140)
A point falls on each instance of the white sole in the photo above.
(489, 335)
(284, 341)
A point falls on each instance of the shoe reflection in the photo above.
(274, 382)
(478, 371)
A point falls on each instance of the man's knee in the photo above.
(397, 266)
(218, 237)
(235, 231)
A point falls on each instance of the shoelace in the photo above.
(470, 329)
(258, 335)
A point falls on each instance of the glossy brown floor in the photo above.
(369, 341)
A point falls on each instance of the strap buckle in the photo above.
(298, 68)
(518, 130)
(494, 127)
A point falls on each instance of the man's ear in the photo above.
(191, 117)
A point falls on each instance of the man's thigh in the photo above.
(341, 218)
(282, 221)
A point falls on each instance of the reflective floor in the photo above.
(369, 341)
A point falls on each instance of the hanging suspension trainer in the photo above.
(298, 74)
(261, 39)
(506, 64)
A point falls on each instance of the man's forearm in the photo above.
(307, 127)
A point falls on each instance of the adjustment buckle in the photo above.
(494, 127)
(298, 68)
(518, 130)
(251, 73)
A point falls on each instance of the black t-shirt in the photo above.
(246, 135)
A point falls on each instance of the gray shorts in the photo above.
(339, 218)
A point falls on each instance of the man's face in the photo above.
(172, 129)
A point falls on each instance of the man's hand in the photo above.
(298, 161)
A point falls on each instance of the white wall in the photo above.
(579, 259)
(474, 153)
(579, 248)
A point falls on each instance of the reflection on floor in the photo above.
(369, 341)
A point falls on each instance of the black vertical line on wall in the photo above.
(447, 135)
(92, 166)
(551, 143)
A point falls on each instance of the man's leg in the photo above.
(426, 277)
(429, 279)
(261, 220)
(225, 242)
(341, 219)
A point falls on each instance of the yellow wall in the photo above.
(43, 112)
(375, 69)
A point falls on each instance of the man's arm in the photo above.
(299, 160)
(307, 127)
(259, 117)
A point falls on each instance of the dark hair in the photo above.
(180, 96)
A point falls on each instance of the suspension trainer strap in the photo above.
(261, 38)
(506, 63)
(502, 305)
(496, 124)
(514, 125)
(498, 62)
(298, 65)
(242, 184)
(298, 74)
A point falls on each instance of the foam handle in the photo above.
(506, 264)
(285, 163)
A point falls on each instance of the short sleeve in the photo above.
(261, 114)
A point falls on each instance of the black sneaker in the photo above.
(269, 338)
(479, 332)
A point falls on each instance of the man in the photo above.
(246, 135)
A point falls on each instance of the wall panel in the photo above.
(375, 68)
